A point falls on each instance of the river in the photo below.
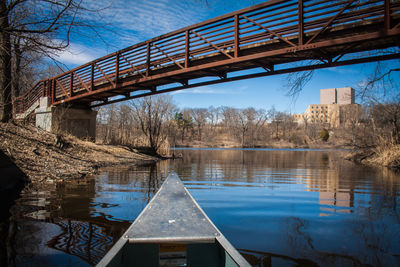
(277, 207)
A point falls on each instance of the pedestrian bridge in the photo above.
(267, 38)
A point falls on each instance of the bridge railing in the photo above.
(292, 24)
(31, 97)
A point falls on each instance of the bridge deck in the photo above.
(266, 36)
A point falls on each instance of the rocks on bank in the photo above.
(47, 157)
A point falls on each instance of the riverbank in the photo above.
(274, 144)
(49, 158)
(384, 156)
(387, 156)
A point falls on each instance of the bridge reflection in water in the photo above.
(83, 217)
(300, 208)
(85, 240)
(92, 238)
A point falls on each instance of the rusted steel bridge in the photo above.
(268, 38)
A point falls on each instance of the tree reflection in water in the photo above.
(299, 208)
(82, 220)
(85, 240)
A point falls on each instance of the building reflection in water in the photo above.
(277, 207)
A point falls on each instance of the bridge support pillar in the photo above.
(80, 122)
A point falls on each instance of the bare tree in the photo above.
(247, 124)
(386, 118)
(213, 117)
(184, 122)
(34, 26)
(153, 114)
(199, 116)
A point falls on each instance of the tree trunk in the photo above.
(5, 65)
(16, 67)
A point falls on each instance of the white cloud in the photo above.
(130, 22)
(77, 54)
(142, 19)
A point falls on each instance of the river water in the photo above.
(277, 207)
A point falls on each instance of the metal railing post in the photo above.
(236, 53)
(53, 91)
(116, 69)
(71, 84)
(187, 48)
(48, 91)
(148, 60)
(44, 89)
(387, 15)
(301, 22)
(92, 77)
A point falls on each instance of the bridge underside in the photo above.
(271, 38)
(266, 59)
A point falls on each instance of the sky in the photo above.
(123, 23)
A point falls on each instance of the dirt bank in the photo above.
(47, 158)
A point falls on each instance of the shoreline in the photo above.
(276, 145)
(35, 157)
(386, 156)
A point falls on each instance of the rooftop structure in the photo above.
(341, 96)
(337, 107)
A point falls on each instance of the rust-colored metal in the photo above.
(44, 89)
(267, 35)
(187, 48)
(211, 44)
(104, 74)
(236, 36)
(387, 14)
(71, 84)
(81, 81)
(301, 20)
(330, 21)
(148, 59)
(92, 76)
(116, 69)
(166, 55)
(133, 67)
(53, 90)
(273, 33)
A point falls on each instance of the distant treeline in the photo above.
(155, 122)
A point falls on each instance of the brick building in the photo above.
(337, 107)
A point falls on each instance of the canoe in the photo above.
(172, 230)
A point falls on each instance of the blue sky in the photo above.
(135, 21)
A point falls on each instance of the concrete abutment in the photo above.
(77, 121)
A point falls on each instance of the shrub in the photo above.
(324, 135)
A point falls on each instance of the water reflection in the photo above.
(296, 208)
(85, 240)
